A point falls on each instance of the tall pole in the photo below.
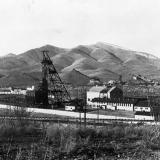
(85, 103)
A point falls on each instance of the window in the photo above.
(88, 99)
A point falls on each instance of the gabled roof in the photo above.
(97, 88)
(142, 103)
(108, 90)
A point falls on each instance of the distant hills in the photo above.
(77, 65)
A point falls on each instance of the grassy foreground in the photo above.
(22, 139)
(68, 142)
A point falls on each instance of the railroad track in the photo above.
(89, 121)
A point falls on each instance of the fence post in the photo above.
(94, 124)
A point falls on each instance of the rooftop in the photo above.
(97, 88)
(108, 89)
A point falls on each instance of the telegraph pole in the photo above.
(85, 105)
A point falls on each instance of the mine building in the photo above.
(142, 106)
(113, 104)
(95, 81)
(112, 98)
(103, 92)
(142, 115)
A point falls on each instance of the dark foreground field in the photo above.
(119, 141)
(25, 140)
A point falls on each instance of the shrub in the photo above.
(118, 132)
(106, 132)
(151, 135)
(85, 133)
(64, 138)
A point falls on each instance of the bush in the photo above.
(106, 132)
(64, 138)
(18, 127)
(151, 135)
(133, 132)
(118, 132)
(85, 133)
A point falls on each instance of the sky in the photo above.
(27, 24)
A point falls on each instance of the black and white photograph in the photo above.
(79, 79)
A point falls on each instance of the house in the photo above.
(113, 104)
(97, 96)
(111, 93)
(111, 82)
(5, 90)
(94, 92)
(112, 98)
(22, 91)
(30, 88)
(142, 106)
(95, 81)
(144, 116)
(70, 108)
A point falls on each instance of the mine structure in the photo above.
(52, 90)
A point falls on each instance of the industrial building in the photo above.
(103, 91)
(112, 98)
(16, 90)
(97, 94)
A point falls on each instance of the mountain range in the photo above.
(79, 64)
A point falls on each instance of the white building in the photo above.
(19, 91)
(142, 106)
(70, 108)
(111, 98)
(114, 104)
(13, 91)
(144, 116)
(5, 90)
(94, 92)
(30, 88)
(100, 97)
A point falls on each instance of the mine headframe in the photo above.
(52, 84)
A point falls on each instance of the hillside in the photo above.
(75, 77)
(76, 65)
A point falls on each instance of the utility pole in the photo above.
(85, 105)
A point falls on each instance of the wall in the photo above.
(90, 96)
(142, 117)
(112, 106)
(125, 106)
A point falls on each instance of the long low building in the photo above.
(139, 105)
(113, 104)
(112, 98)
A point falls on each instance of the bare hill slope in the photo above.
(78, 64)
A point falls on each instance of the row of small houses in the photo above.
(120, 104)
(112, 98)
(19, 91)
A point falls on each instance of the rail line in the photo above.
(68, 120)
